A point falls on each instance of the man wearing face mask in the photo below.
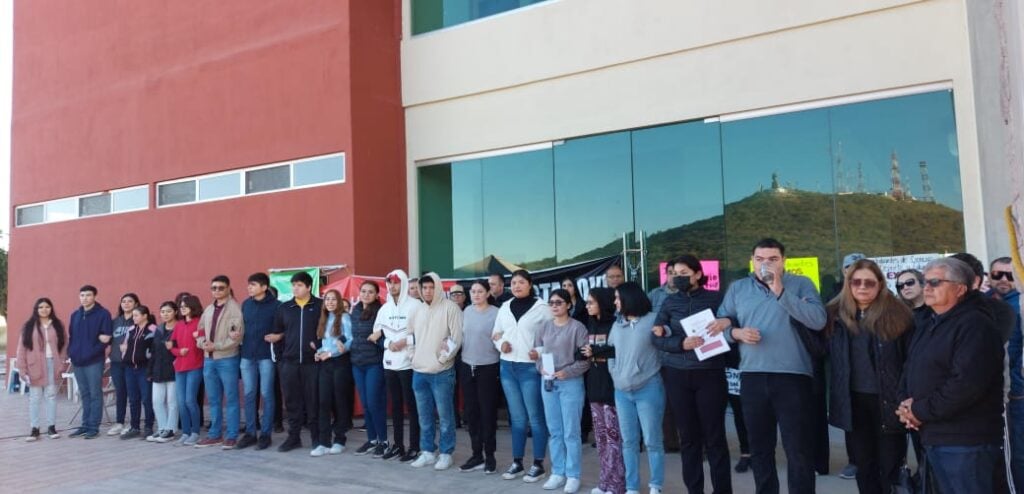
(697, 391)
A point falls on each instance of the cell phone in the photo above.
(549, 385)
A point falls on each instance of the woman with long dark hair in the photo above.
(335, 375)
(368, 370)
(479, 378)
(910, 287)
(577, 306)
(42, 351)
(135, 350)
(161, 374)
(120, 325)
(188, 369)
(869, 329)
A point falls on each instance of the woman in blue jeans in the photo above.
(367, 354)
(188, 370)
(515, 328)
(121, 324)
(135, 351)
(639, 394)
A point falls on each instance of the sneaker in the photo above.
(52, 432)
(848, 472)
(33, 435)
(318, 452)
(229, 444)
(337, 449)
(289, 444)
(743, 465)
(367, 447)
(79, 432)
(153, 436)
(263, 442)
(210, 441)
(534, 473)
(655, 490)
(490, 465)
(182, 440)
(91, 435)
(125, 429)
(380, 449)
(472, 464)
(245, 441)
(426, 458)
(598, 490)
(554, 482)
(395, 451)
(444, 462)
(410, 455)
(165, 437)
(193, 439)
(514, 470)
(571, 486)
(131, 434)
(116, 429)
(148, 432)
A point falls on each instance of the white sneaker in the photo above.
(443, 462)
(655, 490)
(336, 449)
(596, 490)
(116, 429)
(154, 436)
(632, 492)
(424, 460)
(318, 451)
(554, 482)
(125, 429)
(571, 485)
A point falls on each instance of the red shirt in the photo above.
(182, 338)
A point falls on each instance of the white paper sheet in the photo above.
(547, 362)
(696, 325)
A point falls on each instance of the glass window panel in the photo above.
(518, 201)
(318, 171)
(30, 215)
(435, 219)
(593, 196)
(64, 209)
(430, 15)
(677, 192)
(218, 187)
(131, 199)
(898, 176)
(777, 175)
(267, 179)
(468, 219)
(93, 205)
(176, 193)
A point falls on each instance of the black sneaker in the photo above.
(395, 451)
(535, 473)
(52, 432)
(410, 455)
(473, 463)
(289, 444)
(148, 432)
(33, 436)
(131, 434)
(263, 442)
(743, 465)
(365, 448)
(245, 441)
(515, 470)
(79, 432)
(380, 449)
(91, 435)
(490, 465)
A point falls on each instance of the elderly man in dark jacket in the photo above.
(953, 381)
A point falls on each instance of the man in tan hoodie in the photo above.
(437, 336)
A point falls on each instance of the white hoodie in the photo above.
(519, 334)
(393, 319)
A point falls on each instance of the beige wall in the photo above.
(568, 68)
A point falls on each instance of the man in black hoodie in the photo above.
(952, 385)
(296, 324)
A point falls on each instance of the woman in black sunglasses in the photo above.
(910, 287)
(869, 330)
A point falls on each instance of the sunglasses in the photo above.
(935, 282)
(868, 283)
(218, 288)
(556, 303)
(911, 282)
(998, 275)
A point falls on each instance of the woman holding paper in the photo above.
(869, 330)
(695, 383)
(554, 350)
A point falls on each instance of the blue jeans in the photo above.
(221, 378)
(90, 389)
(521, 383)
(964, 468)
(1015, 431)
(262, 372)
(187, 384)
(120, 391)
(373, 395)
(644, 407)
(563, 407)
(140, 392)
(435, 392)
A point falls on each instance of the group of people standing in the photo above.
(925, 363)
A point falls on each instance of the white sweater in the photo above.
(520, 334)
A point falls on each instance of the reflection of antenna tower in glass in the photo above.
(926, 183)
(897, 187)
(860, 178)
(840, 173)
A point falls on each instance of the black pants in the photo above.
(741, 427)
(335, 388)
(402, 397)
(774, 401)
(819, 429)
(278, 399)
(698, 398)
(480, 386)
(879, 456)
(299, 383)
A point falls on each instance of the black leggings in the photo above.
(480, 384)
(335, 388)
(400, 391)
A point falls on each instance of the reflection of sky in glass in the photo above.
(467, 213)
(677, 174)
(593, 192)
(518, 198)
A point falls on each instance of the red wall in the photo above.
(111, 93)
